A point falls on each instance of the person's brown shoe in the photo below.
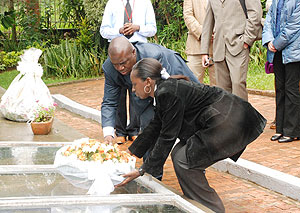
(121, 139)
(273, 125)
(132, 138)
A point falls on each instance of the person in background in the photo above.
(233, 35)
(136, 21)
(281, 35)
(268, 5)
(194, 14)
(117, 68)
(211, 124)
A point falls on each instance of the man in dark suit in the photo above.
(122, 56)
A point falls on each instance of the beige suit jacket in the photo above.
(194, 14)
(231, 28)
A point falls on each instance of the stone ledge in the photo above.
(272, 179)
(72, 106)
(269, 93)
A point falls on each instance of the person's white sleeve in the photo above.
(108, 130)
(149, 29)
(107, 30)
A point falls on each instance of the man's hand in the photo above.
(246, 45)
(121, 30)
(108, 139)
(130, 28)
(129, 177)
(205, 61)
(271, 47)
(212, 37)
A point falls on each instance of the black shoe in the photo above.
(287, 139)
(276, 137)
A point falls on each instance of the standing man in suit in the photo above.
(194, 13)
(136, 21)
(233, 35)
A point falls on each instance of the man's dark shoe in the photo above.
(276, 137)
(132, 138)
(120, 140)
(287, 139)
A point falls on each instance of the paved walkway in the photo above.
(237, 194)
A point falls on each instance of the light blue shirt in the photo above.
(142, 15)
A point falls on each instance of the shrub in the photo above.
(85, 35)
(9, 59)
(70, 60)
(29, 22)
(94, 12)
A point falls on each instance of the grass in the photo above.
(256, 78)
(7, 77)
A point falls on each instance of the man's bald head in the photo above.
(122, 55)
(119, 45)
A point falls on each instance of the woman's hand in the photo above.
(129, 152)
(129, 177)
(271, 47)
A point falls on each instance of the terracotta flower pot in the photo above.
(42, 128)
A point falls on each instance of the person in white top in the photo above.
(142, 20)
(134, 19)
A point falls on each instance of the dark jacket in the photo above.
(212, 122)
(114, 81)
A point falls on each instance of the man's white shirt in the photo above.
(142, 15)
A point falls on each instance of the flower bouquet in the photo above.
(93, 165)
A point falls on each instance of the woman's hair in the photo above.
(147, 67)
(151, 68)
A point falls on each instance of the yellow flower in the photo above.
(82, 157)
(93, 150)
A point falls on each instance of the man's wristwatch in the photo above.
(141, 171)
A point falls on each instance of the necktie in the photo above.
(127, 16)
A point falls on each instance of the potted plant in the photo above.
(43, 120)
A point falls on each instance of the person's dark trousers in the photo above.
(121, 117)
(287, 78)
(193, 182)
